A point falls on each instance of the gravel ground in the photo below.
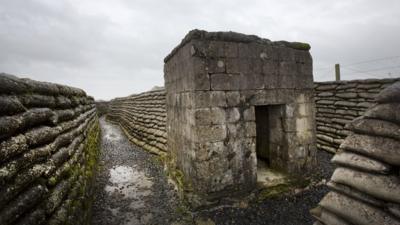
(289, 209)
(132, 189)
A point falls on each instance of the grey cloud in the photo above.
(116, 48)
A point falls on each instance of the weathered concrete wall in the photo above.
(338, 103)
(142, 117)
(214, 81)
(48, 151)
(365, 188)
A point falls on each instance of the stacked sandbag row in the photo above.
(143, 118)
(48, 151)
(338, 103)
(365, 187)
(102, 107)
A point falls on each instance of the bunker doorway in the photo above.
(270, 139)
(271, 144)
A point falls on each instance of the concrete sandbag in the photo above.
(64, 115)
(63, 102)
(44, 88)
(37, 116)
(385, 111)
(70, 91)
(42, 135)
(356, 212)
(328, 218)
(9, 125)
(10, 84)
(394, 209)
(36, 217)
(10, 105)
(27, 159)
(354, 193)
(22, 203)
(385, 187)
(57, 195)
(12, 146)
(381, 148)
(20, 182)
(357, 161)
(37, 101)
(390, 94)
(375, 127)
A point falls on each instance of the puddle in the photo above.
(129, 182)
(110, 133)
(131, 185)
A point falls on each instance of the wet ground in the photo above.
(132, 188)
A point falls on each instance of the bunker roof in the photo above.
(231, 36)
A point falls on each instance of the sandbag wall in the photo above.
(365, 187)
(48, 150)
(102, 108)
(143, 118)
(338, 103)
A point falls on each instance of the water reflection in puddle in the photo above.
(111, 134)
(133, 185)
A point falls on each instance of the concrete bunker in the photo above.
(232, 98)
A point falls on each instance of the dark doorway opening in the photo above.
(270, 145)
(270, 135)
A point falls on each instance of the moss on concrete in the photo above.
(299, 46)
(274, 191)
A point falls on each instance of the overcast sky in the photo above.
(115, 48)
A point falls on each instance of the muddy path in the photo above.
(131, 187)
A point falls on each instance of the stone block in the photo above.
(202, 81)
(225, 82)
(250, 129)
(216, 66)
(287, 68)
(232, 65)
(218, 98)
(231, 49)
(207, 150)
(211, 133)
(252, 81)
(206, 116)
(233, 115)
(232, 98)
(215, 49)
(249, 114)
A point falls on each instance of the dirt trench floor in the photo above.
(132, 189)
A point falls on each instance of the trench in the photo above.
(131, 186)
